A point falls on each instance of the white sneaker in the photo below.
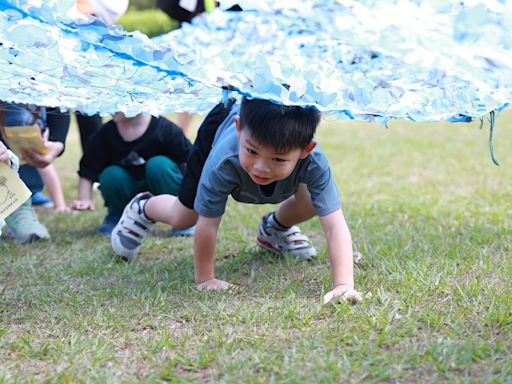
(24, 226)
(132, 228)
(289, 241)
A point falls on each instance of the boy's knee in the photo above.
(157, 163)
(112, 175)
(158, 166)
(163, 175)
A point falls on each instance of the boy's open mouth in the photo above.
(260, 180)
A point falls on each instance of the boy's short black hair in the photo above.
(281, 127)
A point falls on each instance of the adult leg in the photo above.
(58, 124)
(87, 125)
(183, 120)
(173, 9)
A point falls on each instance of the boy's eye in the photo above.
(279, 160)
(250, 151)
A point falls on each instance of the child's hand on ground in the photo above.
(343, 292)
(4, 156)
(82, 205)
(61, 209)
(214, 284)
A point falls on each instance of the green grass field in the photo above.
(428, 210)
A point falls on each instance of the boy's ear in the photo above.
(306, 151)
(237, 123)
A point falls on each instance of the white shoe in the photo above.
(132, 228)
(289, 241)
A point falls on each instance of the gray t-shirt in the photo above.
(223, 175)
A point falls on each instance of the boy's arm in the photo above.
(205, 241)
(339, 244)
(53, 186)
(84, 201)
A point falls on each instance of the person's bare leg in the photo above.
(183, 120)
(169, 209)
(296, 209)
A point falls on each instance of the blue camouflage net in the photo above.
(364, 60)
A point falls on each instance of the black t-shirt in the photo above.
(106, 147)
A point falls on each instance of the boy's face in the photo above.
(119, 117)
(263, 164)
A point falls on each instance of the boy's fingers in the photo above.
(211, 287)
(331, 295)
(75, 205)
(82, 206)
(354, 296)
(214, 285)
(343, 294)
(62, 210)
(222, 285)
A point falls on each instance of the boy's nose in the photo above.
(261, 166)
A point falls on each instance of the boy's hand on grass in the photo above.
(214, 284)
(61, 209)
(343, 292)
(82, 205)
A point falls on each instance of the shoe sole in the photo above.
(115, 239)
(32, 238)
(268, 247)
(118, 248)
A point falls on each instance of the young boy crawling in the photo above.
(259, 153)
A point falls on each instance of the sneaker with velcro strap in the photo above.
(132, 228)
(284, 240)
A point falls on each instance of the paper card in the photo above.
(13, 191)
(25, 137)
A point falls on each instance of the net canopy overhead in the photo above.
(363, 60)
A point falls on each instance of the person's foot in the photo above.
(109, 222)
(175, 232)
(273, 237)
(132, 228)
(24, 226)
(41, 200)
